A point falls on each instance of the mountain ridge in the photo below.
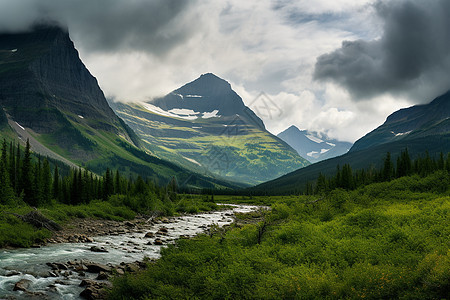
(206, 126)
(313, 146)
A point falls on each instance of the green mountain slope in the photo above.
(206, 127)
(46, 90)
(422, 128)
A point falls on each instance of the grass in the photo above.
(383, 241)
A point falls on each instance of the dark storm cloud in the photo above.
(412, 57)
(105, 25)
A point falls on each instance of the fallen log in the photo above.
(38, 220)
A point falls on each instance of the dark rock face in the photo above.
(45, 86)
(45, 71)
(206, 94)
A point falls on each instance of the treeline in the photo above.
(32, 181)
(348, 179)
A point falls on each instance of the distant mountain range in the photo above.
(48, 96)
(312, 146)
(418, 128)
(205, 126)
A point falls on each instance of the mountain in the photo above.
(411, 123)
(313, 146)
(205, 126)
(47, 95)
(418, 128)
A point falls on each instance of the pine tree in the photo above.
(441, 162)
(18, 170)
(26, 177)
(108, 185)
(388, 168)
(447, 162)
(117, 188)
(36, 197)
(6, 190)
(404, 165)
(321, 186)
(56, 189)
(75, 188)
(347, 177)
(12, 166)
(46, 182)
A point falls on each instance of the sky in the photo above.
(339, 67)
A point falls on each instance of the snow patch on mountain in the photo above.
(401, 133)
(312, 153)
(192, 160)
(21, 127)
(314, 138)
(162, 112)
(213, 114)
(179, 95)
(183, 113)
(194, 96)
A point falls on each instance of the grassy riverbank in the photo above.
(15, 233)
(385, 240)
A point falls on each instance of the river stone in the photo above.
(86, 282)
(149, 235)
(22, 285)
(59, 266)
(129, 224)
(102, 276)
(97, 268)
(120, 271)
(98, 249)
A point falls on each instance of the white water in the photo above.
(31, 263)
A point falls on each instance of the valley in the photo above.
(146, 191)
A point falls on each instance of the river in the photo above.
(31, 264)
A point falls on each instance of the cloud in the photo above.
(106, 25)
(412, 57)
(140, 49)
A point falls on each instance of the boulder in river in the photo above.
(149, 234)
(98, 249)
(102, 276)
(22, 285)
(158, 242)
(97, 268)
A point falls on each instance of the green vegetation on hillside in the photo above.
(347, 179)
(228, 147)
(385, 240)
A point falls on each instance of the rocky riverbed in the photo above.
(79, 261)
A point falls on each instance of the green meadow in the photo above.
(381, 241)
